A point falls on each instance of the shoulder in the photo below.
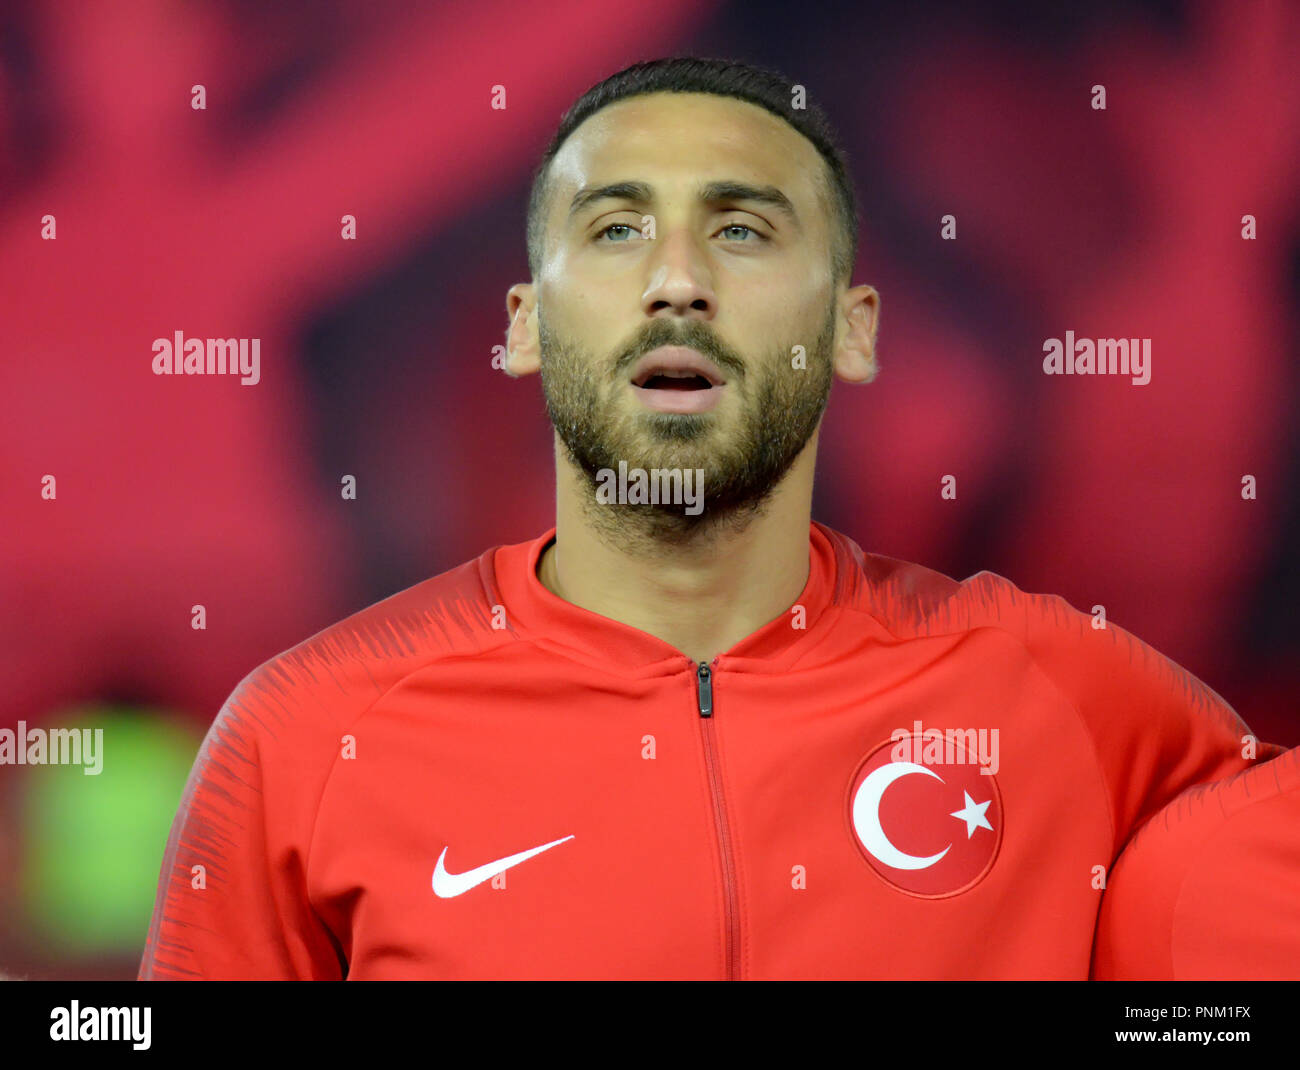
(1121, 685)
(1245, 801)
(323, 683)
(1209, 887)
(911, 600)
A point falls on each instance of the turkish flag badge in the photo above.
(928, 828)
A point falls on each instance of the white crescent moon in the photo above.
(866, 816)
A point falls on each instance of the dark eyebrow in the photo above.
(638, 192)
(742, 191)
(709, 193)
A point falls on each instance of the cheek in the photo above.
(585, 317)
(575, 306)
(767, 320)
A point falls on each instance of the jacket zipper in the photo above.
(704, 681)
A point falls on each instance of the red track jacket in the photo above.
(904, 776)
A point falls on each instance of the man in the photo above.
(1209, 889)
(686, 733)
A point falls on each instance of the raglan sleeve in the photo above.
(232, 901)
(1156, 729)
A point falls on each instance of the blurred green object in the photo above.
(92, 845)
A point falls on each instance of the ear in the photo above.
(855, 352)
(523, 344)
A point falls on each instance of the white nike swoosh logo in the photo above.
(449, 885)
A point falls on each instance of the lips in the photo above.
(677, 366)
(677, 379)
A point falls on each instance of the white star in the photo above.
(973, 815)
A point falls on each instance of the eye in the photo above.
(617, 226)
(742, 226)
(627, 230)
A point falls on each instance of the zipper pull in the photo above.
(705, 681)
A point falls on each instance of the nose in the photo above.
(680, 279)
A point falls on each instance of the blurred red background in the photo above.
(176, 491)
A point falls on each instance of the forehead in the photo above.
(676, 141)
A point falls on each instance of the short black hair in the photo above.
(718, 77)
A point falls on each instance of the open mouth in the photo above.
(678, 393)
(678, 379)
(674, 381)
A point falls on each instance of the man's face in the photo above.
(737, 278)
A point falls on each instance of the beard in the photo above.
(776, 410)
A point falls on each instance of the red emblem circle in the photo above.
(925, 817)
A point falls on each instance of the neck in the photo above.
(701, 595)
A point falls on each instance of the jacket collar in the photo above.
(535, 613)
